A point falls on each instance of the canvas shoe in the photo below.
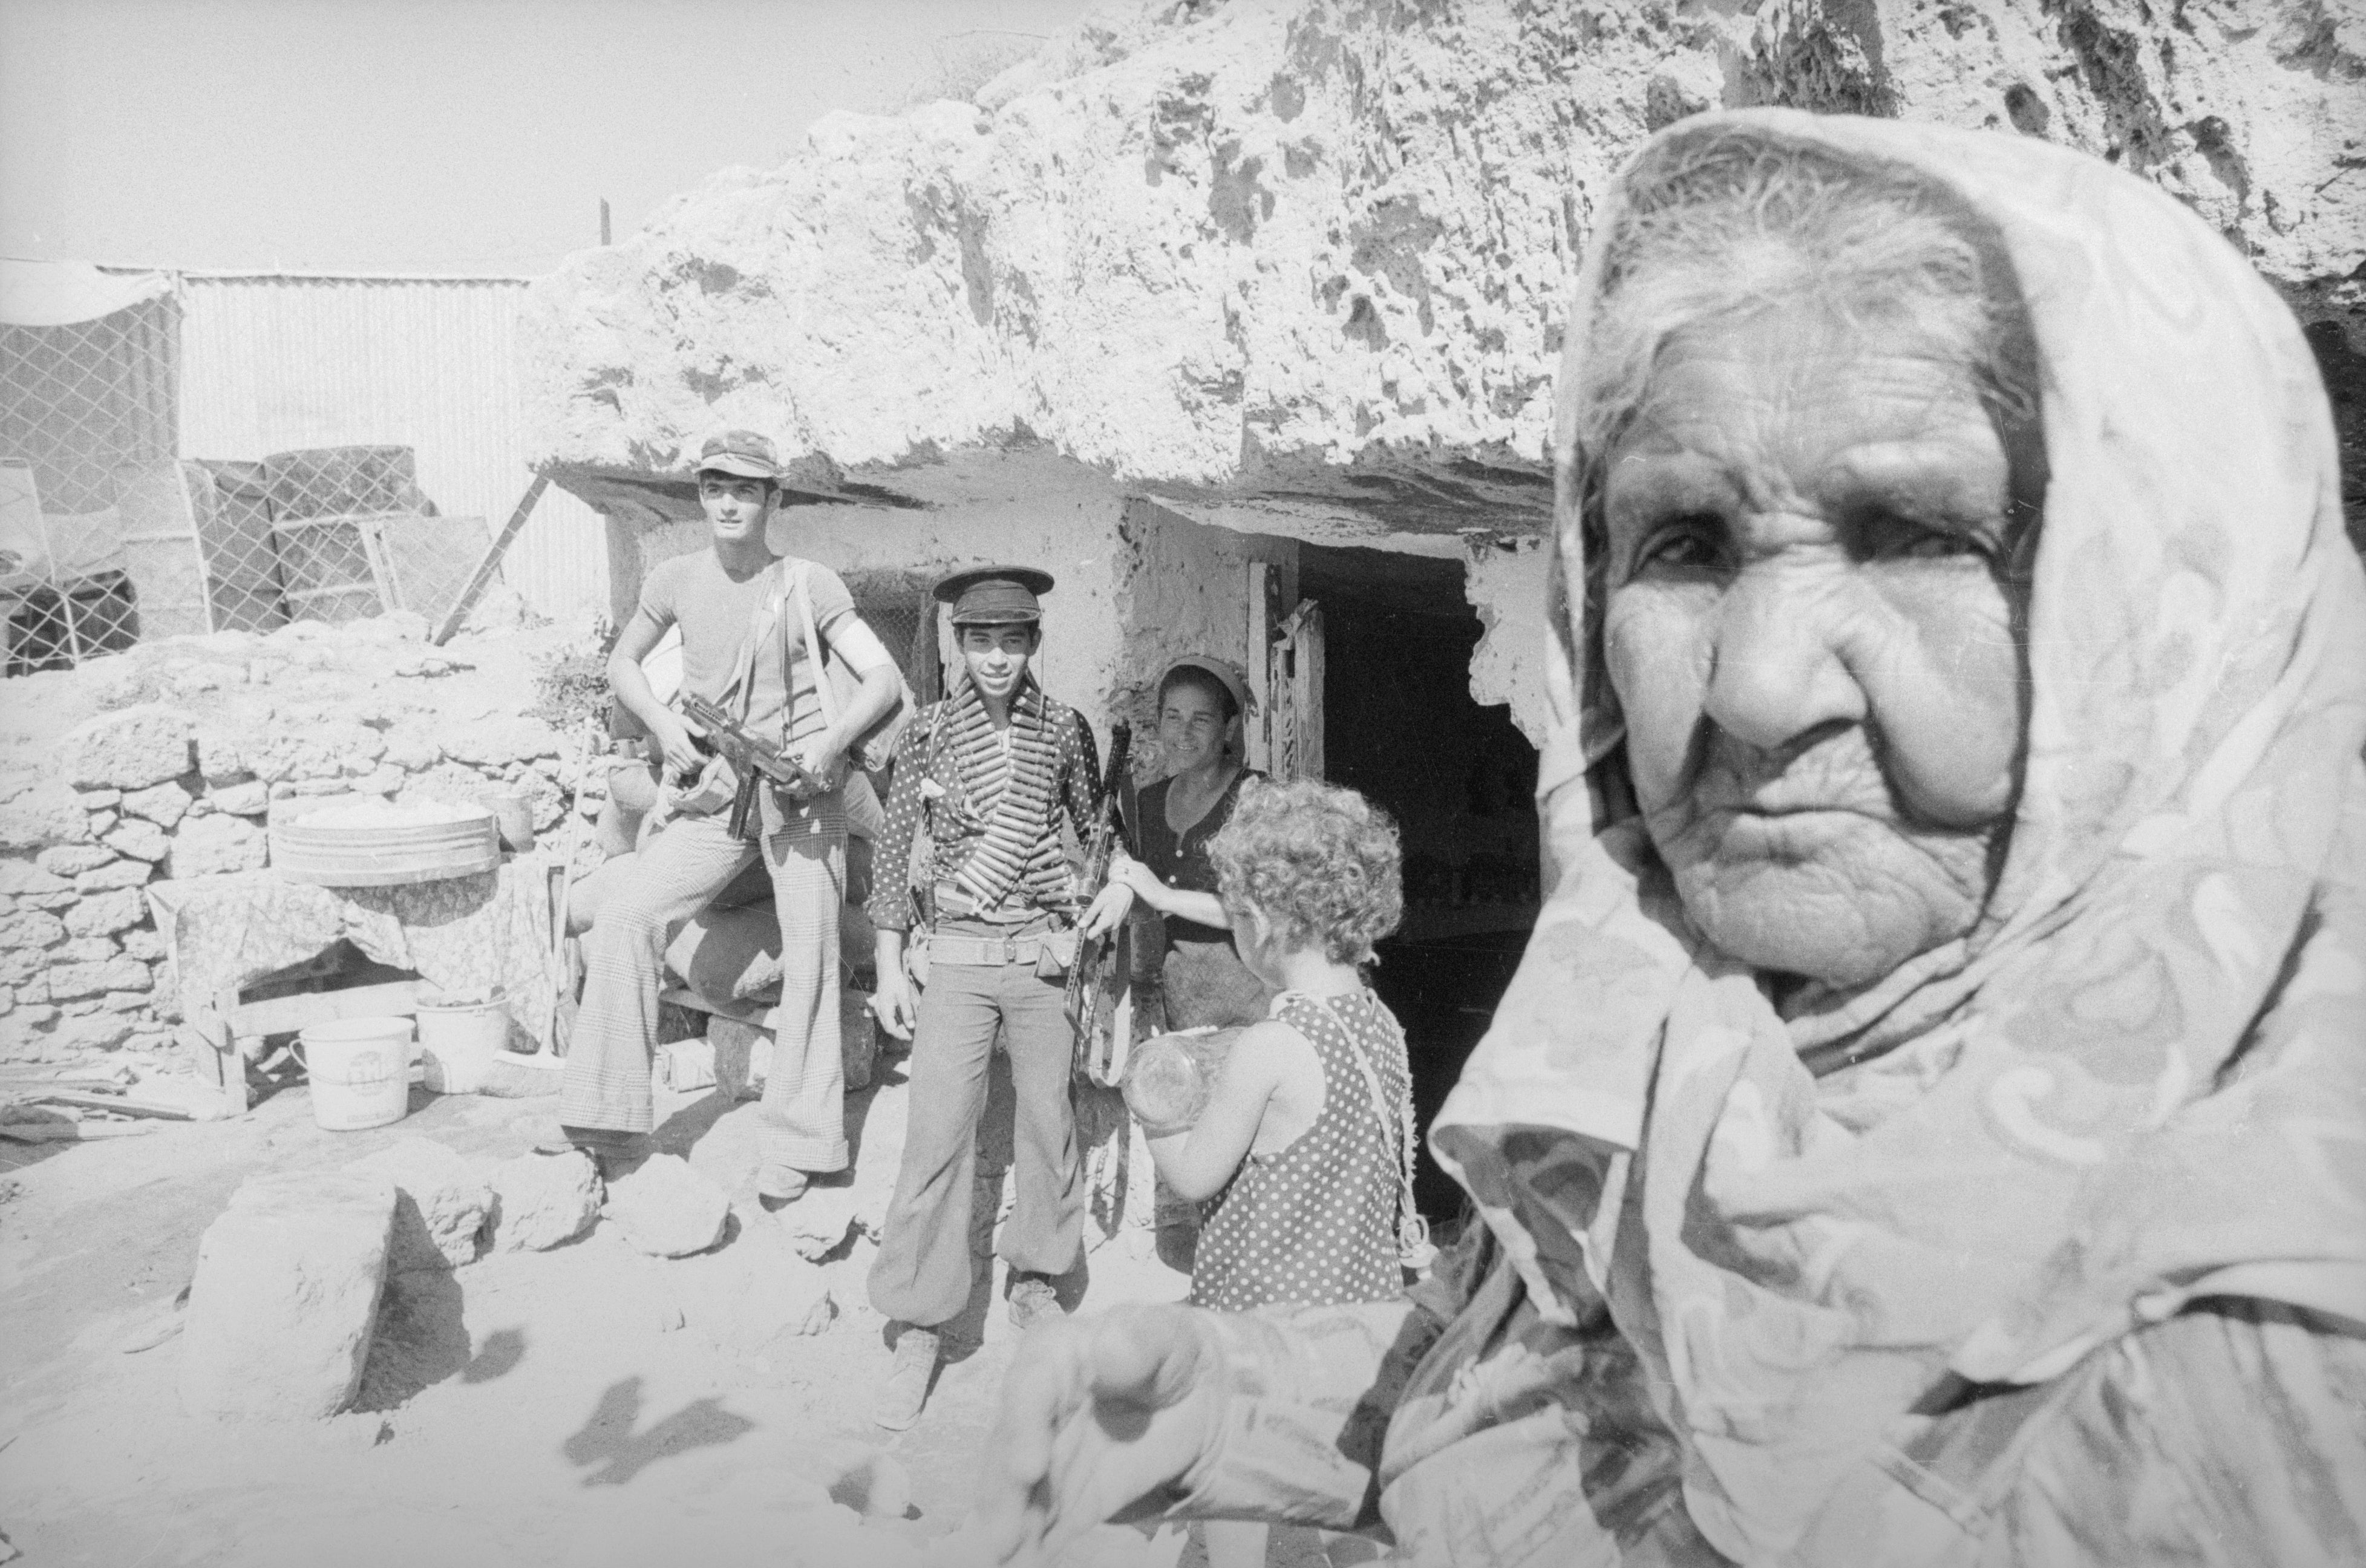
(905, 1391)
(1033, 1301)
(780, 1185)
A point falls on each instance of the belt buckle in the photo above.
(1010, 949)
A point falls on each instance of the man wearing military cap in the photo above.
(990, 772)
(741, 611)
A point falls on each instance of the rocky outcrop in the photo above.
(1318, 248)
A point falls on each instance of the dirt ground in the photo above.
(585, 1406)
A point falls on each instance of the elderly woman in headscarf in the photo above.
(1928, 1124)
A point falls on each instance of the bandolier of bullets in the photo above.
(1012, 843)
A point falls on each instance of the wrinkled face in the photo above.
(737, 509)
(1806, 624)
(1192, 728)
(996, 657)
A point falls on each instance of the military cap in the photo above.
(995, 595)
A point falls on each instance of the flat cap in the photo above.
(995, 595)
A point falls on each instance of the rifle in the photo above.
(1104, 964)
(750, 757)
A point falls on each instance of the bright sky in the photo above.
(447, 136)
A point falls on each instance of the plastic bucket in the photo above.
(360, 1069)
(460, 1042)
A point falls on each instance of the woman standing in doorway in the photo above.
(1201, 703)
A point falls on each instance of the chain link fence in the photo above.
(186, 548)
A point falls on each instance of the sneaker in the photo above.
(780, 1185)
(1033, 1301)
(905, 1391)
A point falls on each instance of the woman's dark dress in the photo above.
(1202, 976)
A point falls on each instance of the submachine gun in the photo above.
(1104, 964)
(751, 759)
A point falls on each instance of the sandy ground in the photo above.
(583, 1406)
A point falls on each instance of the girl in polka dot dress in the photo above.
(1304, 1152)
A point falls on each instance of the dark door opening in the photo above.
(1399, 725)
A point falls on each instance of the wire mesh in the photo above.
(77, 401)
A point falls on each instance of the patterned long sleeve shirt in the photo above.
(927, 803)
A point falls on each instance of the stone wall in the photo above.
(163, 763)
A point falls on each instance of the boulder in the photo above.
(286, 1291)
(113, 873)
(251, 798)
(70, 982)
(541, 1201)
(129, 750)
(104, 914)
(164, 804)
(441, 1204)
(32, 928)
(666, 1209)
(213, 844)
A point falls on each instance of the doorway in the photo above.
(1399, 725)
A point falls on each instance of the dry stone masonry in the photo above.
(163, 764)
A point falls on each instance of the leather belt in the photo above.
(985, 951)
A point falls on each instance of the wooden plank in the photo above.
(121, 1104)
(281, 1014)
(491, 563)
(759, 1015)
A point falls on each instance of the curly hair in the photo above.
(1320, 860)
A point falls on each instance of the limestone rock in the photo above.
(287, 1291)
(129, 750)
(70, 982)
(99, 1030)
(666, 1209)
(221, 756)
(143, 944)
(39, 820)
(498, 742)
(318, 750)
(164, 804)
(19, 877)
(412, 751)
(442, 1203)
(102, 823)
(99, 799)
(214, 844)
(251, 798)
(541, 1201)
(142, 841)
(113, 873)
(104, 914)
(1240, 248)
(85, 950)
(32, 928)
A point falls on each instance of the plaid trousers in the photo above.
(802, 1120)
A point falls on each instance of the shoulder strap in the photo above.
(741, 689)
(1412, 1231)
(816, 666)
